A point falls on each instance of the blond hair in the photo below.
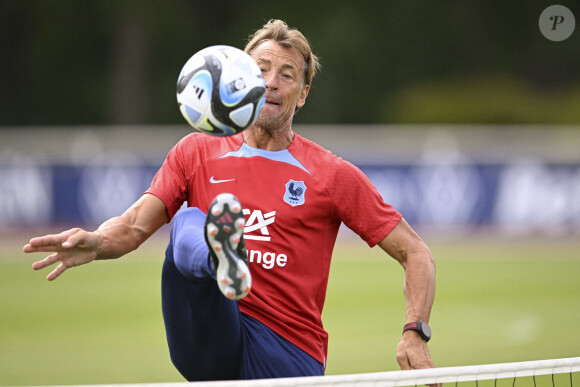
(287, 37)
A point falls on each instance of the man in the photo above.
(295, 194)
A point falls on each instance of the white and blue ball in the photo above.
(220, 91)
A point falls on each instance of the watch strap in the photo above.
(421, 327)
(413, 326)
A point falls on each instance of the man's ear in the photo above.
(302, 96)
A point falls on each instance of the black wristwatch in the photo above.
(421, 327)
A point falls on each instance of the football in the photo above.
(220, 91)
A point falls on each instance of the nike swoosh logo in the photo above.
(214, 181)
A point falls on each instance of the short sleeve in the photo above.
(360, 206)
(170, 181)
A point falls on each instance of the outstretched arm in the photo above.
(408, 248)
(113, 239)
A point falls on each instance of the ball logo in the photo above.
(295, 193)
(235, 85)
(198, 91)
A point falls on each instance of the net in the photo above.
(554, 372)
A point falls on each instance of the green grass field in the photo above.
(497, 301)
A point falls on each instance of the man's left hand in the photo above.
(412, 353)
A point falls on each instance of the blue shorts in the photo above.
(210, 339)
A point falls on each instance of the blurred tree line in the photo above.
(67, 62)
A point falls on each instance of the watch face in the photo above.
(425, 329)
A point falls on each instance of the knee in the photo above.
(188, 224)
(187, 216)
(189, 250)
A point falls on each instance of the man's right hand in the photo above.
(71, 248)
(113, 239)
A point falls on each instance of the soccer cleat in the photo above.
(224, 234)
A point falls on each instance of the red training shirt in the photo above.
(294, 201)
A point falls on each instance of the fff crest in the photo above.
(295, 191)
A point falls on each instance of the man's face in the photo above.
(283, 71)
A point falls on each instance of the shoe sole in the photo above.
(224, 232)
